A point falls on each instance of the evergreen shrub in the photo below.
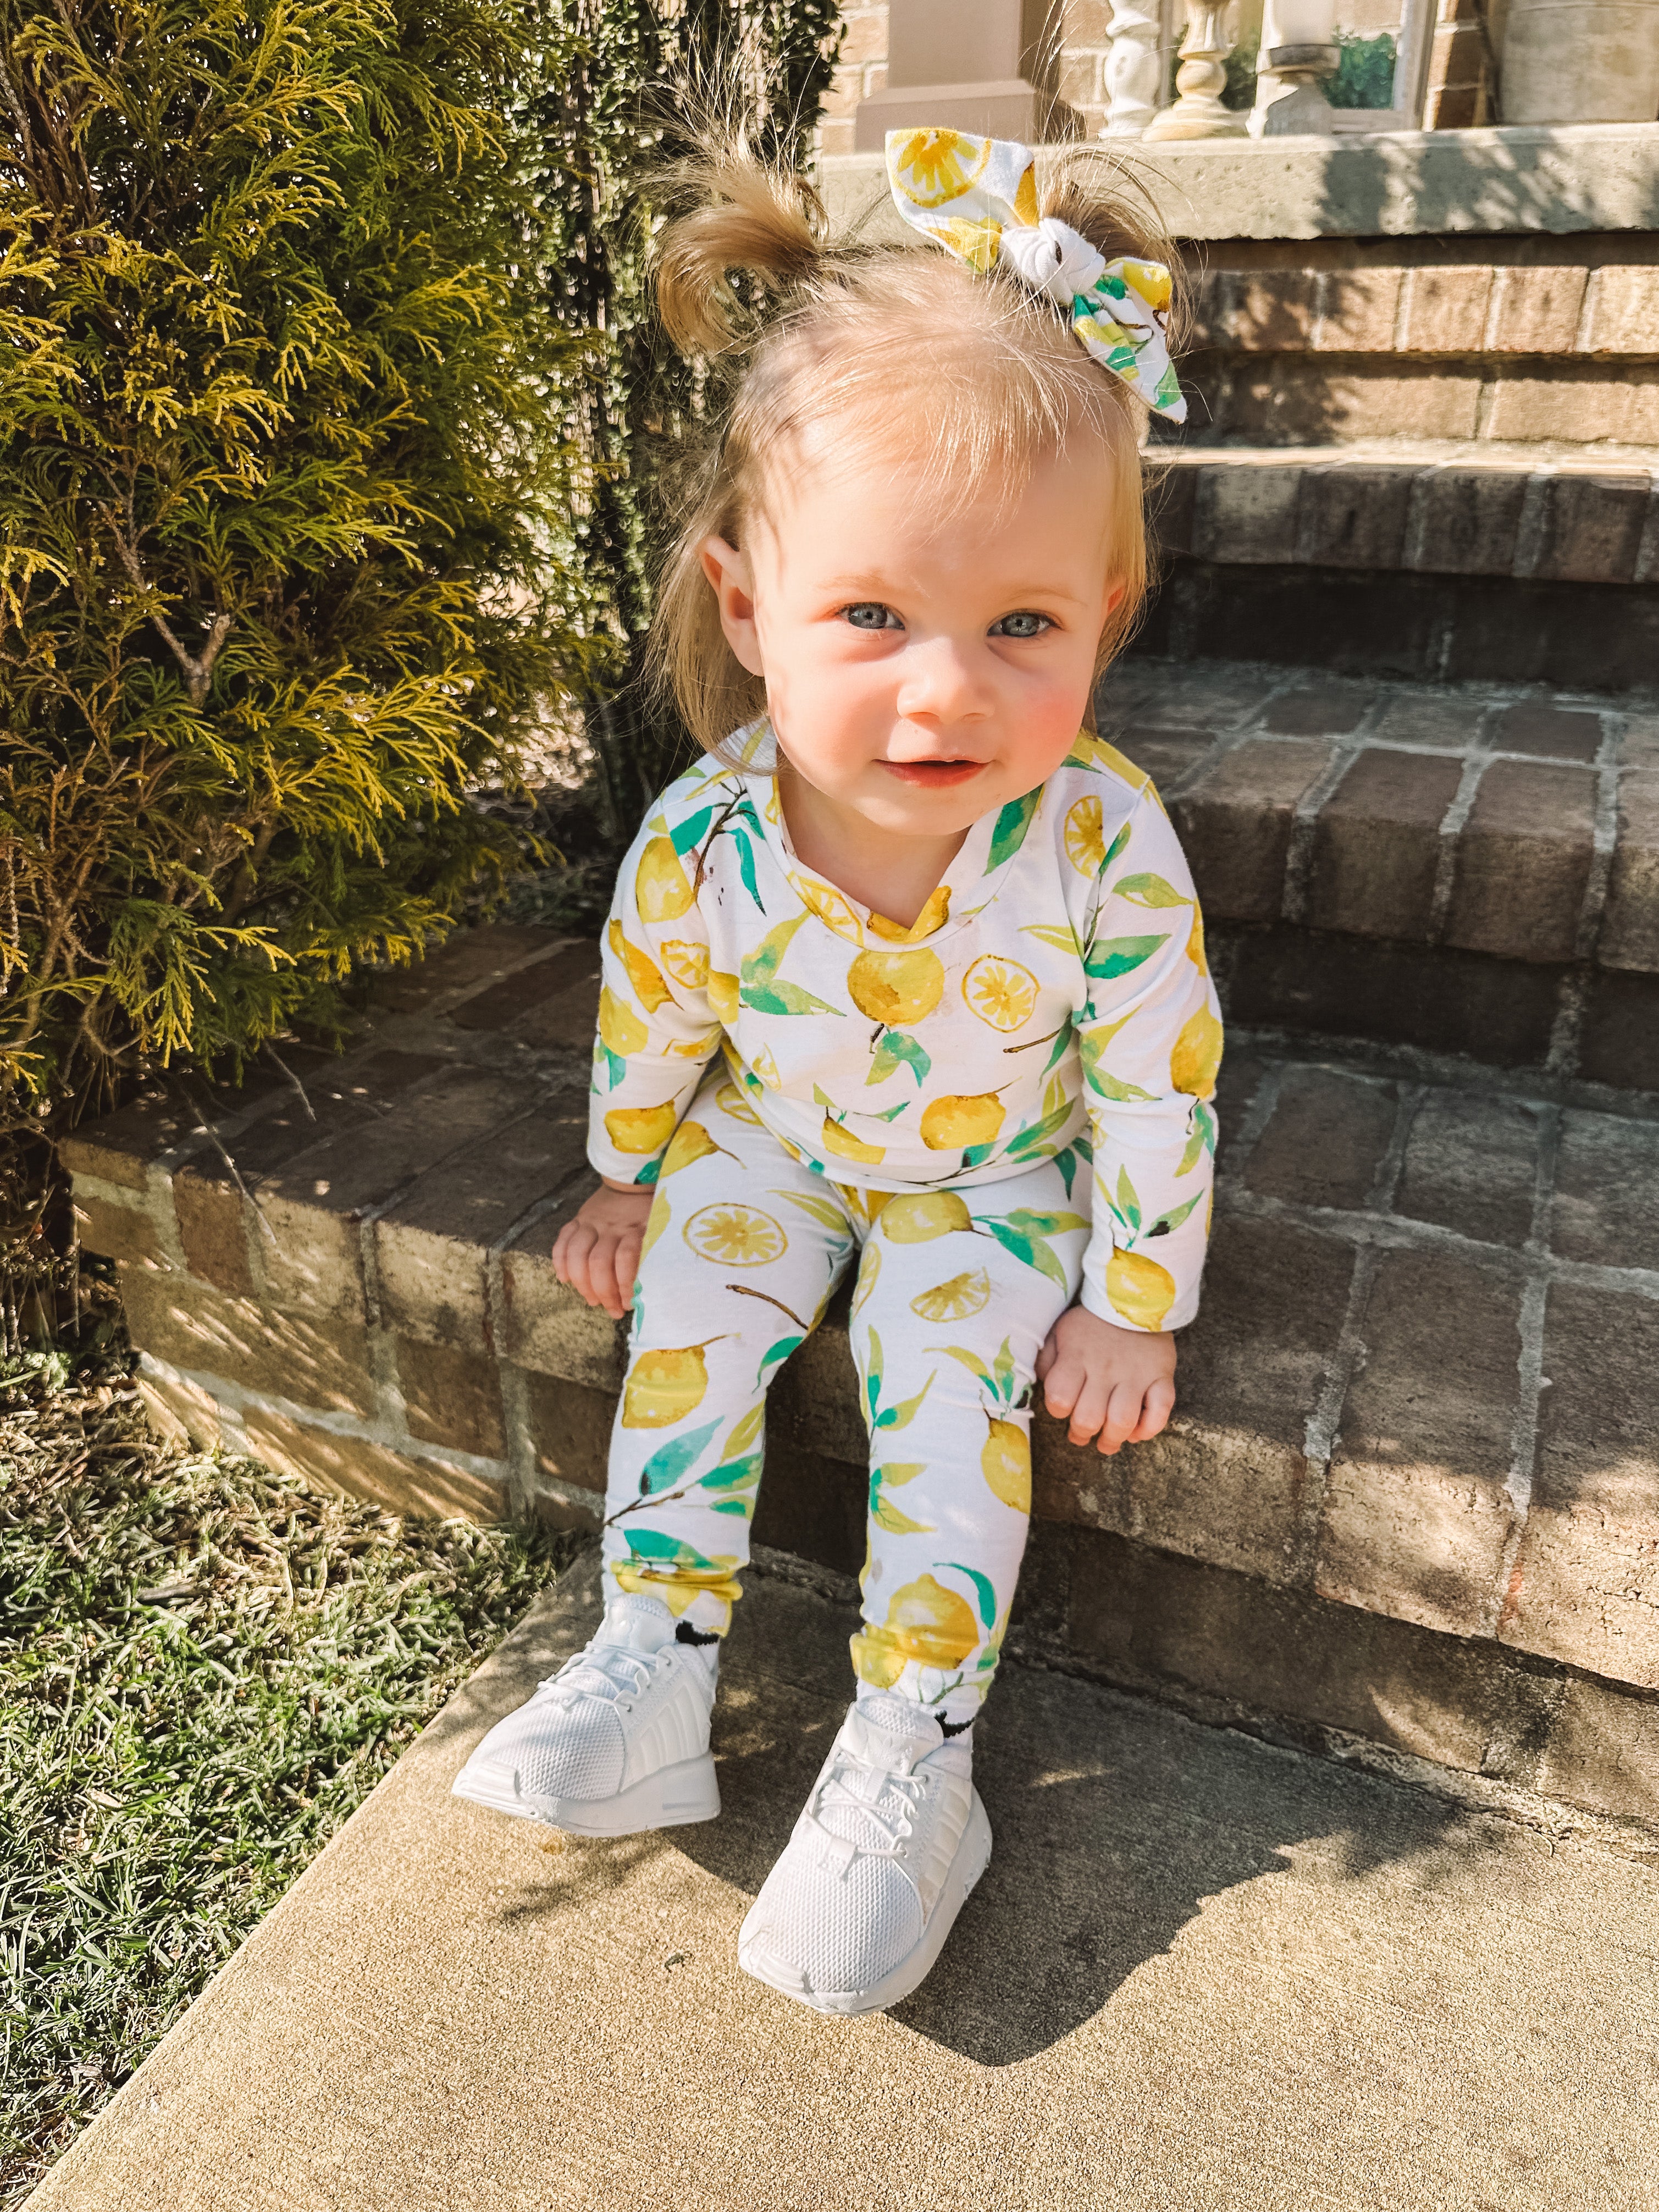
(285, 470)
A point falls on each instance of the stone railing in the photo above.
(1131, 69)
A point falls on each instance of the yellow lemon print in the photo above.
(687, 963)
(846, 1146)
(642, 973)
(735, 1236)
(663, 1386)
(896, 987)
(1085, 841)
(1000, 992)
(933, 915)
(679, 1588)
(692, 1142)
(662, 891)
(639, 1128)
(1196, 1059)
(658, 1221)
(920, 1216)
(1196, 944)
(767, 1068)
(955, 1300)
(1139, 1289)
(723, 996)
(951, 1122)
(621, 1029)
(830, 907)
(929, 1624)
(1006, 1464)
(1151, 279)
(731, 1100)
(935, 165)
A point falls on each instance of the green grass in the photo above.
(204, 1668)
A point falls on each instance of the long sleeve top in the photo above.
(1052, 1001)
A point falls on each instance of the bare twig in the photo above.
(198, 667)
(20, 116)
(272, 1052)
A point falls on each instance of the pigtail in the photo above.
(744, 216)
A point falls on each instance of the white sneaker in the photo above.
(617, 1742)
(893, 1837)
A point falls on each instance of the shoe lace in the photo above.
(888, 1810)
(605, 1670)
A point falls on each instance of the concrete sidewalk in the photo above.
(1202, 1972)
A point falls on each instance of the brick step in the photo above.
(1342, 339)
(1432, 561)
(1464, 869)
(1417, 1415)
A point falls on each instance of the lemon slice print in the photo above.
(731, 1100)
(735, 1236)
(1000, 992)
(955, 1300)
(1086, 843)
(830, 907)
(687, 963)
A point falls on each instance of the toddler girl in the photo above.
(907, 972)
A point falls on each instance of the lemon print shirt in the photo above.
(1051, 1002)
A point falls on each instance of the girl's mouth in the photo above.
(933, 774)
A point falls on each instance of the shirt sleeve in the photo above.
(1150, 1035)
(658, 1028)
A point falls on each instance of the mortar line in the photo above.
(1298, 858)
(1396, 1232)
(1647, 550)
(1561, 1056)
(1321, 1435)
(1529, 1368)
(1453, 822)
(1227, 740)
(1385, 1184)
(1532, 529)
(1604, 835)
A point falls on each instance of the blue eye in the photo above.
(1021, 625)
(870, 614)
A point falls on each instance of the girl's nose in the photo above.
(939, 683)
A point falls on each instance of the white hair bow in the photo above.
(977, 198)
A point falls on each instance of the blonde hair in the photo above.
(819, 340)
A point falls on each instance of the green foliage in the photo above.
(625, 86)
(1364, 74)
(204, 1668)
(284, 459)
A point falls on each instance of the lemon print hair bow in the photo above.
(977, 198)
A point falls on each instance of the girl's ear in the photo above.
(734, 584)
(1114, 598)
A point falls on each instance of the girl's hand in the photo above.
(598, 1250)
(1118, 1382)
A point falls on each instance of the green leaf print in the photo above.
(872, 1377)
(743, 1505)
(897, 1472)
(1062, 939)
(1038, 1132)
(971, 1360)
(894, 1051)
(1150, 890)
(758, 971)
(1202, 1139)
(670, 1461)
(1013, 824)
(690, 832)
(733, 1475)
(1127, 1207)
(1117, 955)
(1173, 1219)
(982, 1590)
(747, 1431)
(1092, 1044)
(652, 1543)
(1115, 851)
(886, 1515)
(746, 867)
(1042, 1224)
(900, 1415)
(780, 1350)
(1033, 1251)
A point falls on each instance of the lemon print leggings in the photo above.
(956, 1290)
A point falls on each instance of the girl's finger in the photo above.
(1158, 1405)
(1123, 1414)
(627, 1263)
(1064, 1379)
(1045, 1359)
(1089, 1412)
(570, 1254)
(602, 1269)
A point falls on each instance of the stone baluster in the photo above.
(1197, 112)
(1132, 68)
(1298, 47)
